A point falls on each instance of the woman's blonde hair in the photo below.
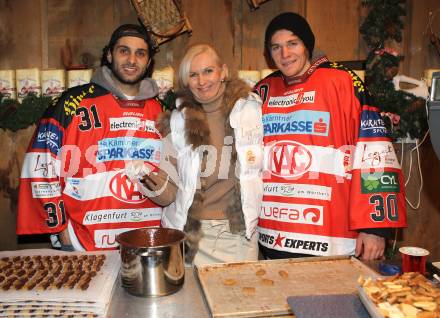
(190, 53)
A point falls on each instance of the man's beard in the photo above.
(121, 79)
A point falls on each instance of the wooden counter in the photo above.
(305, 276)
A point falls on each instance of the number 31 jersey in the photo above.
(73, 171)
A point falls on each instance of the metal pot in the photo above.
(153, 261)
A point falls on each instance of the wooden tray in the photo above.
(235, 289)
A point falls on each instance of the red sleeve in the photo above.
(377, 194)
(40, 207)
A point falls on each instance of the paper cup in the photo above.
(413, 259)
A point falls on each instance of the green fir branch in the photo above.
(15, 115)
(383, 23)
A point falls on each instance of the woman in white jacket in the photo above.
(217, 134)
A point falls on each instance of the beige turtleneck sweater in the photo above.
(217, 188)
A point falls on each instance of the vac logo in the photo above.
(292, 100)
(302, 122)
(288, 159)
(122, 189)
(380, 182)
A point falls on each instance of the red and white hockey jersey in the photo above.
(330, 168)
(73, 171)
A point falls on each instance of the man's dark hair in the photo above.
(129, 30)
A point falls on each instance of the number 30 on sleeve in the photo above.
(384, 207)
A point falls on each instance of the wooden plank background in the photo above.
(229, 25)
(32, 33)
(20, 34)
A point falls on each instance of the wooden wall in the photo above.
(32, 33)
(423, 223)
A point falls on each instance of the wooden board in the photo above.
(244, 289)
(20, 34)
(339, 41)
(419, 53)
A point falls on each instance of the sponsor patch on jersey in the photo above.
(130, 114)
(72, 188)
(131, 123)
(39, 165)
(107, 238)
(294, 245)
(375, 155)
(372, 125)
(287, 159)
(301, 122)
(121, 215)
(295, 242)
(49, 137)
(149, 126)
(380, 182)
(291, 100)
(293, 213)
(129, 148)
(297, 190)
(71, 104)
(42, 190)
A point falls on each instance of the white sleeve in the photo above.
(246, 120)
(188, 162)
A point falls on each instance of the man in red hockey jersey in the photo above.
(332, 185)
(74, 179)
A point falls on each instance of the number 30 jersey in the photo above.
(73, 171)
(330, 169)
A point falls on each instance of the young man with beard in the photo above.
(333, 184)
(74, 179)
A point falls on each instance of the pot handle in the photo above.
(149, 253)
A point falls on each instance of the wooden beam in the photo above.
(44, 35)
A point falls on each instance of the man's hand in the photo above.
(64, 237)
(369, 246)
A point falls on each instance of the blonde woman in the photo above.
(217, 132)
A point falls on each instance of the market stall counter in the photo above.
(89, 285)
(249, 289)
(187, 302)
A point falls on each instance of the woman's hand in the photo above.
(158, 187)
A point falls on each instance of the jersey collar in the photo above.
(291, 80)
